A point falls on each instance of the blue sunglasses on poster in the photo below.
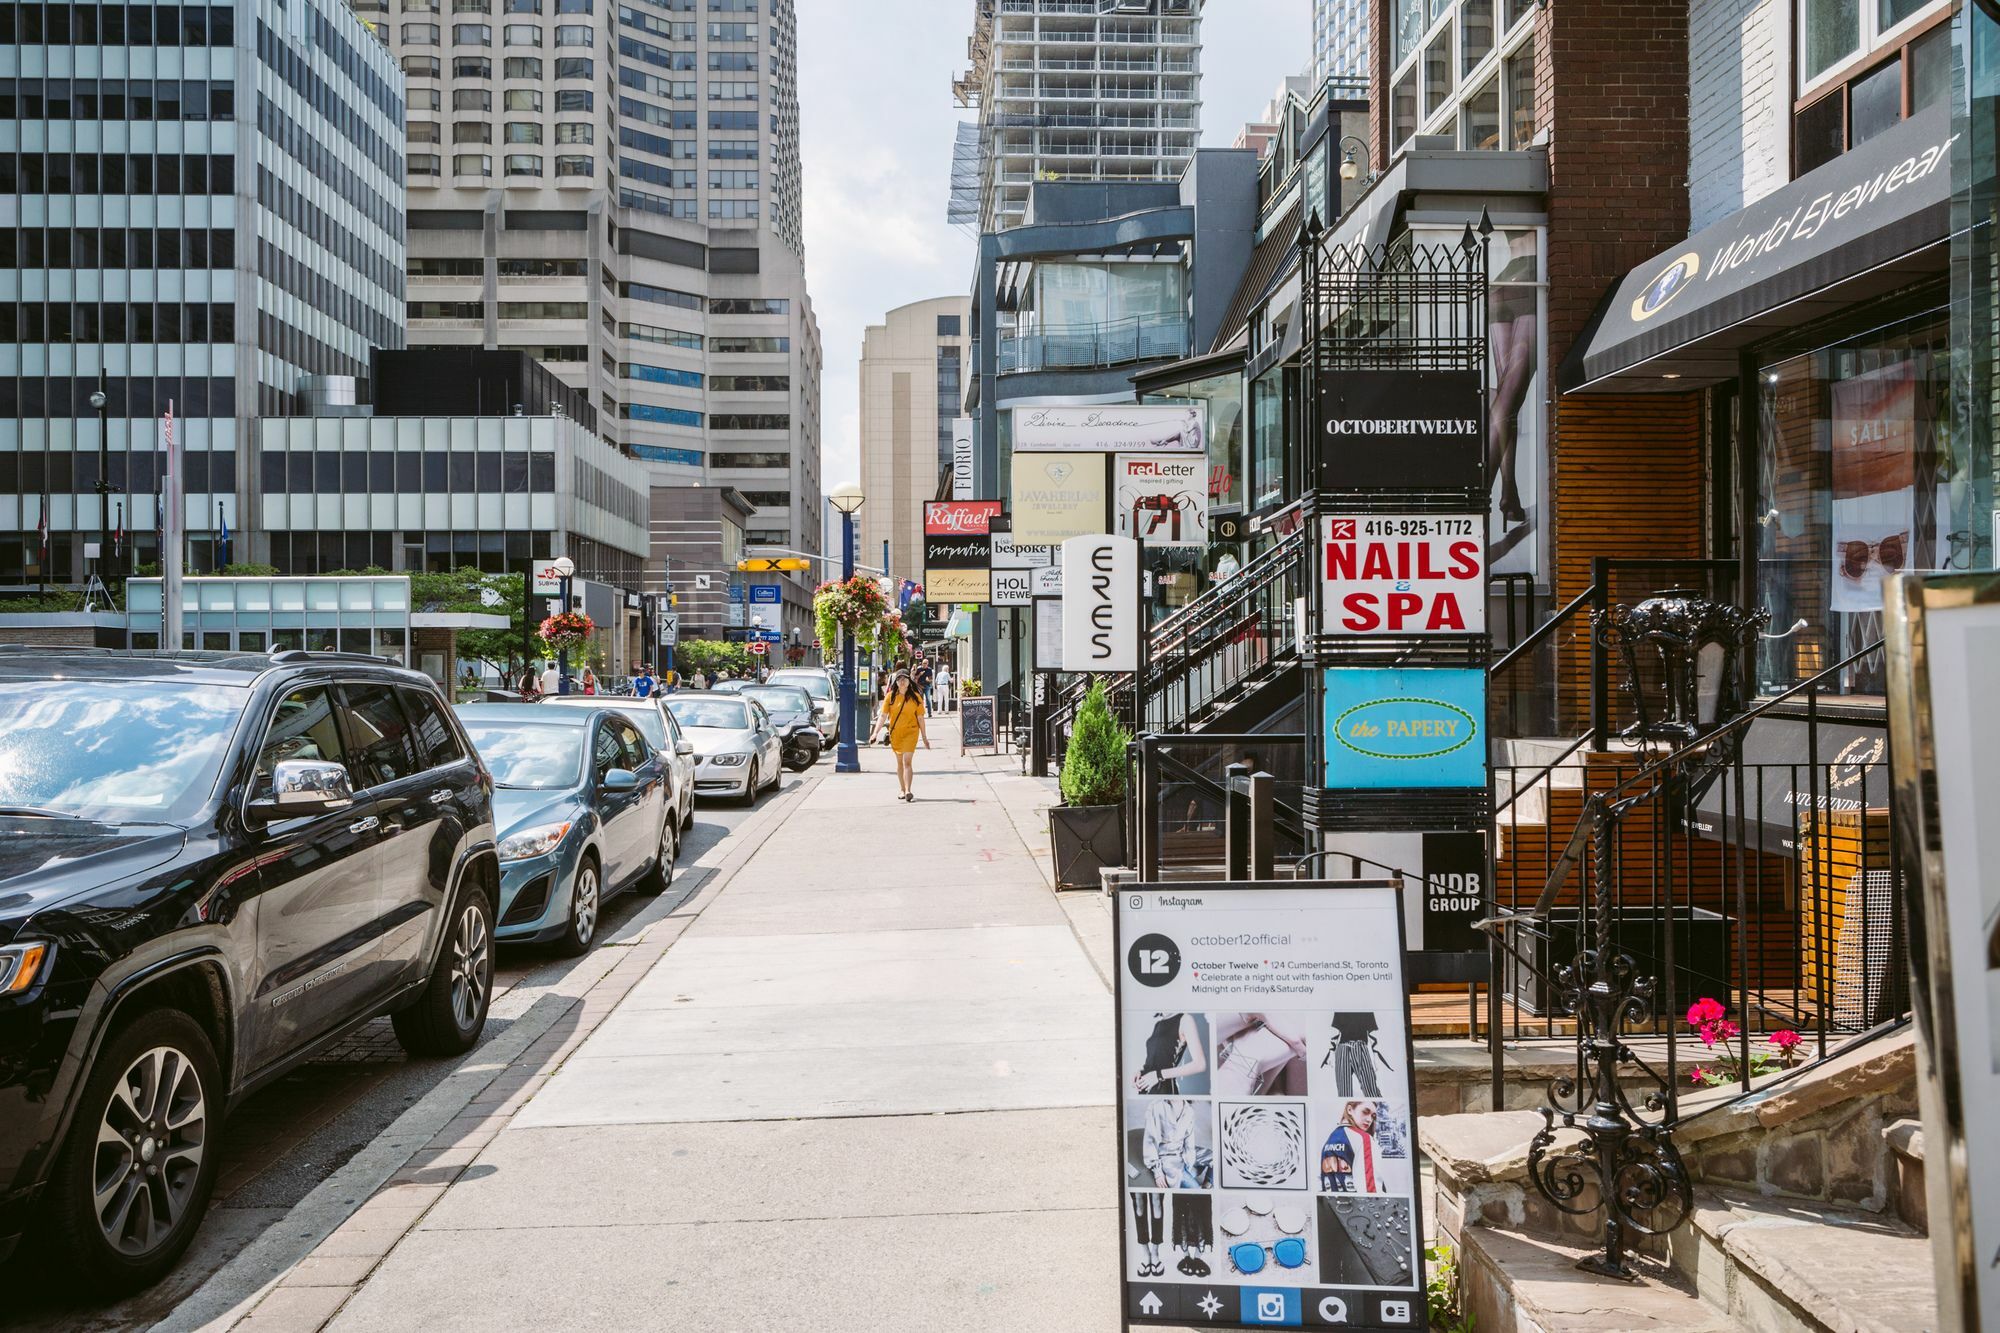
(1248, 1256)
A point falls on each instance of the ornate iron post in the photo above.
(1624, 1163)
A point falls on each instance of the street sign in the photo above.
(548, 576)
(670, 628)
(760, 648)
(735, 593)
(703, 582)
(1404, 573)
(773, 566)
(770, 594)
(1288, 1171)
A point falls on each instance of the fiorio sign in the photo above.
(1404, 573)
(1100, 604)
(962, 486)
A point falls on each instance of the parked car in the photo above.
(737, 748)
(211, 866)
(657, 725)
(580, 799)
(791, 712)
(818, 683)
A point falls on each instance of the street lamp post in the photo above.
(100, 399)
(565, 569)
(847, 759)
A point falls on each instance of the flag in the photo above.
(160, 490)
(118, 533)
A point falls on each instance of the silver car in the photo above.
(737, 751)
(657, 725)
(818, 683)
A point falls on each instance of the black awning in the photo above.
(1784, 777)
(1862, 213)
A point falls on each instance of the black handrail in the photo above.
(1542, 631)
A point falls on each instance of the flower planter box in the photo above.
(1083, 840)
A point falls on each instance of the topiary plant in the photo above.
(1093, 771)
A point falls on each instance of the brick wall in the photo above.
(1738, 90)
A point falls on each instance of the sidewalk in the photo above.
(868, 1087)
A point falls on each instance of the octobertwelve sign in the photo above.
(1404, 573)
(1402, 430)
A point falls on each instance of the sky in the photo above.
(877, 121)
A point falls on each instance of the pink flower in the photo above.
(1707, 1034)
(1704, 1011)
(1697, 1075)
(1786, 1040)
(1727, 1031)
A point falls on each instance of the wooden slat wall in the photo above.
(1629, 481)
(1838, 847)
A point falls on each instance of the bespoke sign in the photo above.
(1408, 727)
(1161, 499)
(962, 487)
(1113, 429)
(1058, 496)
(1402, 430)
(1100, 604)
(1404, 573)
(1266, 1107)
(960, 518)
(1010, 554)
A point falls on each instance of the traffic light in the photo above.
(772, 566)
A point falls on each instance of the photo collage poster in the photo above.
(1267, 1149)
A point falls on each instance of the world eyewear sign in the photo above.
(1404, 573)
(1405, 728)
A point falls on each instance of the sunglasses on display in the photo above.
(1248, 1256)
(1856, 556)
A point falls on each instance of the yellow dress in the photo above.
(906, 717)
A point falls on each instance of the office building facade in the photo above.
(615, 189)
(1340, 45)
(913, 367)
(205, 207)
(1067, 91)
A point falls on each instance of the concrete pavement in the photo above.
(867, 1087)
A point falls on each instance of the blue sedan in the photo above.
(582, 808)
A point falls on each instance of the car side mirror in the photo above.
(302, 787)
(620, 779)
(684, 748)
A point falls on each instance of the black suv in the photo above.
(210, 866)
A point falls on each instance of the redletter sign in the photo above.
(960, 518)
(1404, 573)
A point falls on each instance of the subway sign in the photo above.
(1404, 573)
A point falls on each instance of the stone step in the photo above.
(1513, 1282)
(1787, 1264)
(1905, 1140)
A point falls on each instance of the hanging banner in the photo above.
(1161, 499)
(1402, 430)
(1267, 1107)
(1101, 604)
(962, 485)
(1408, 727)
(1113, 429)
(1404, 573)
(1059, 496)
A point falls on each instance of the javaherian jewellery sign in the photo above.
(1401, 430)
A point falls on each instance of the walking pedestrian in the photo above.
(644, 684)
(944, 699)
(551, 680)
(589, 681)
(922, 679)
(902, 722)
(528, 685)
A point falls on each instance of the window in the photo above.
(422, 67)
(732, 180)
(522, 34)
(472, 131)
(523, 67)
(421, 34)
(472, 34)
(471, 67)
(575, 99)
(574, 67)
(753, 305)
(444, 309)
(437, 744)
(666, 337)
(733, 120)
(524, 164)
(426, 267)
(731, 91)
(769, 499)
(1463, 69)
(949, 326)
(575, 132)
(751, 383)
(1521, 97)
(732, 346)
(732, 62)
(423, 131)
(575, 34)
(523, 99)
(381, 734)
(732, 32)
(575, 166)
(419, 99)
(423, 164)
(521, 6)
(1482, 116)
(523, 131)
(471, 164)
(544, 310)
(733, 150)
(751, 421)
(767, 460)
(473, 99)
(541, 267)
(685, 379)
(665, 416)
(639, 291)
(1906, 49)
(302, 727)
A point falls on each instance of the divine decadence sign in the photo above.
(1404, 573)
(1266, 1121)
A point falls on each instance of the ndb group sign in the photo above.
(1405, 727)
(1404, 573)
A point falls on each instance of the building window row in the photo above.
(750, 421)
(39, 472)
(117, 25)
(319, 227)
(664, 416)
(732, 180)
(337, 107)
(665, 337)
(407, 472)
(117, 99)
(117, 248)
(653, 203)
(117, 173)
(137, 397)
(639, 291)
(674, 90)
(145, 322)
(745, 346)
(749, 305)
(325, 164)
(751, 460)
(636, 370)
(734, 150)
(731, 91)
(680, 149)
(751, 383)
(665, 117)
(672, 30)
(631, 48)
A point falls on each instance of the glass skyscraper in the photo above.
(1340, 44)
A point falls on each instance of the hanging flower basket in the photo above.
(855, 605)
(566, 630)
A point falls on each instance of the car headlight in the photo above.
(532, 842)
(20, 964)
(730, 760)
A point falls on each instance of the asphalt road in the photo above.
(290, 1136)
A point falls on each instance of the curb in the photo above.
(298, 1273)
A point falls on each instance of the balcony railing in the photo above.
(1085, 346)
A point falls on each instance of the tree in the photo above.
(697, 655)
(469, 591)
(1093, 771)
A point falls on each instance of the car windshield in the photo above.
(527, 757)
(122, 751)
(818, 686)
(643, 716)
(780, 698)
(719, 714)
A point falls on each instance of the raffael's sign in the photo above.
(960, 518)
(1404, 573)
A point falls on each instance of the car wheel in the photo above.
(585, 899)
(655, 881)
(750, 785)
(450, 1014)
(133, 1180)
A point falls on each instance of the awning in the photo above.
(1869, 221)
(1781, 784)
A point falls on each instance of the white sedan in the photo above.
(737, 750)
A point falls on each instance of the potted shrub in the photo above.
(1087, 831)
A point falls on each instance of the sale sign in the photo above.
(1404, 573)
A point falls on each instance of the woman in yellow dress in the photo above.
(903, 722)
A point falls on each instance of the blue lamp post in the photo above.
(847, 759)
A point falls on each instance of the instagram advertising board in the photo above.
(1267, 1151)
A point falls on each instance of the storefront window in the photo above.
(1975, 296)
(1267, 431)
(1224, 396)
(1857, 479)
